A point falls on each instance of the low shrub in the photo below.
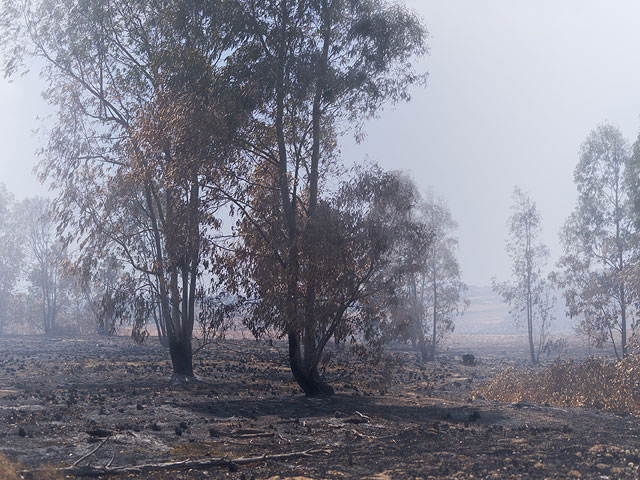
(594, 383)
(9, 470)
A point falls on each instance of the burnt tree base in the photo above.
(307, 378)
(181, 358)
(427, 352)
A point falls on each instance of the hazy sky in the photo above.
(514, 88)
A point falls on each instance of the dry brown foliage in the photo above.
(13, 471)
(8, 470)
(594, 383)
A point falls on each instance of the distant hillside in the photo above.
(487, 314)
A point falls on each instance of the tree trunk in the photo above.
(181, 358)
(435, 316)
(532, 348)
(160, 326)
(179, 337)
(528, 257)
(623, 325)
(307, 376)
(426, 351)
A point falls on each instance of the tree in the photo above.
(352, 254)
(144, 120)
(597, 240)
(441, 287)
(317, 64)
(47, 255)
(11, 254)
(431, 288)
(527, 293)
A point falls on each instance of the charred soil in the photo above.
(112, 403)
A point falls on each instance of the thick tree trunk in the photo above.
(426, 350)
(181, 358)
(306, 376)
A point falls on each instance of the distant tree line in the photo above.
(198, 177)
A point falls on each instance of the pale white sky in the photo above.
(21, 111)
(514, 88)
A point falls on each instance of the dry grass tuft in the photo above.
(192, 450)
(11, 471)
(49, 472)
(594, 383)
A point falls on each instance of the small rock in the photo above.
(468, 360)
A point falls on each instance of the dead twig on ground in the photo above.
(77, 462)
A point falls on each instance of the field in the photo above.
(62, 399)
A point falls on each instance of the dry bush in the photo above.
(595, 383)
(9, 470)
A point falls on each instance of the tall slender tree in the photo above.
(525, 293)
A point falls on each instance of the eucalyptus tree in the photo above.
(47, 256)
(441, 285)
(432, 288)
(598, 240)
(319, 66)
(527, 292)
(408, 312)
(352, 252)
(12, 253)
(143, 123)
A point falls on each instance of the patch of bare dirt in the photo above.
(62, 399)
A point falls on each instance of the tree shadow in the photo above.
(339, 406)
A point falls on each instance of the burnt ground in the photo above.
(60, 399)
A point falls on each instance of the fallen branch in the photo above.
(75, 464)
(250, 433)
(182, 465)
